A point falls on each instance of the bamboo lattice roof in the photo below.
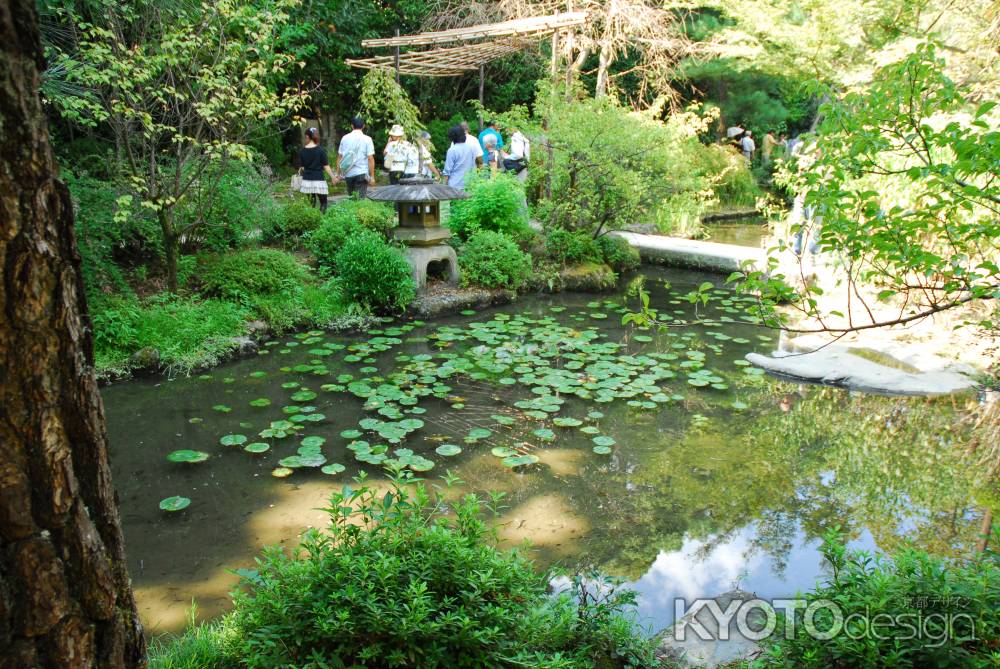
(536, 26)
(443, 62)
(505, 38)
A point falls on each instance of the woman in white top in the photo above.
(397, 155)
(425, 156)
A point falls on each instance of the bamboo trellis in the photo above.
(501, 39)
(443, 62)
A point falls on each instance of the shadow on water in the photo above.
(714, 486)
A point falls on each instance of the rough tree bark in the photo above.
(65, 596)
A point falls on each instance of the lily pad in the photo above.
(313, 441)
(233, 440)
(281, 472)
(222, 408)
(602, 450)
(477, 433)
(304, 396)
(260, 402)
(175, 503)
(603, 440)
(333, 468)
(503, 451)
(257, 447)
(187, 456)
(448, 450)
(519, 460)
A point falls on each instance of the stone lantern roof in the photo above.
(416, 189)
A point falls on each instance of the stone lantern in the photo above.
(418, 203)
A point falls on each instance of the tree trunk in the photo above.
(171, 244)
(603, 63)
(65, 596)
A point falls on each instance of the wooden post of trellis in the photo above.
(396, 59)
(555, 54)
(569, 50)
(482, 85)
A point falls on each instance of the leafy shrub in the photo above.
(298, 305)
(231, 208)
(345, 220)
(296, 219)
(734, 182)
(493, 260)
(326, 241)
(495, 204)
(186, 333)
(374, 274)
(395, 582)
(572, 247)
(375, 216)
(617, 253)
(105, 228)
(955, 607)
(616, 167)
(243, 274)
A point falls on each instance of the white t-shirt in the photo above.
(356, 147)
(748, 145)
(519, 147)
(412, 159)
(474, 143)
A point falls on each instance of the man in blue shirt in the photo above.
(490, 129)
(461, 158)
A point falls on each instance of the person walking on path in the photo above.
(490, 130)
(401, 157)
(356, 159)
(492, 156)
(461, 158)
(520, 153)
(425, 156)
(747, 146)
(314, 162)
(473, 142)
(769, 143)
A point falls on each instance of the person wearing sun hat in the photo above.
(400, 157)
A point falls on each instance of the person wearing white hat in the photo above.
(400, 157)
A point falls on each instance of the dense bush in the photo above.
(493, 260)
(231, 206)
(243, 274)
(104, 228)
(374, 274)
(953, 606)
(572, 247)
(734, 183)
(297, 218)
(495, 204)
(396, 582)
(617, 253)
(298, 305)
(345, 220)
(185, 333)
(612, 167)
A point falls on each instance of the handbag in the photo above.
(297, 182)
(513, 164)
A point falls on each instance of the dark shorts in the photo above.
(358, 184)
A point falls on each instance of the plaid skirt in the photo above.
(315, 187)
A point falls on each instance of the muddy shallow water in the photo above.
(711, 485)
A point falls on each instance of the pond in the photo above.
(658, 457)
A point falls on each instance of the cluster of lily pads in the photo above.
(536, 369)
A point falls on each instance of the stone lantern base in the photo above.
(420, 257)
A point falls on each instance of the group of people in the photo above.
(745, 143)
(404, 159)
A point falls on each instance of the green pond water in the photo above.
(658, 457)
